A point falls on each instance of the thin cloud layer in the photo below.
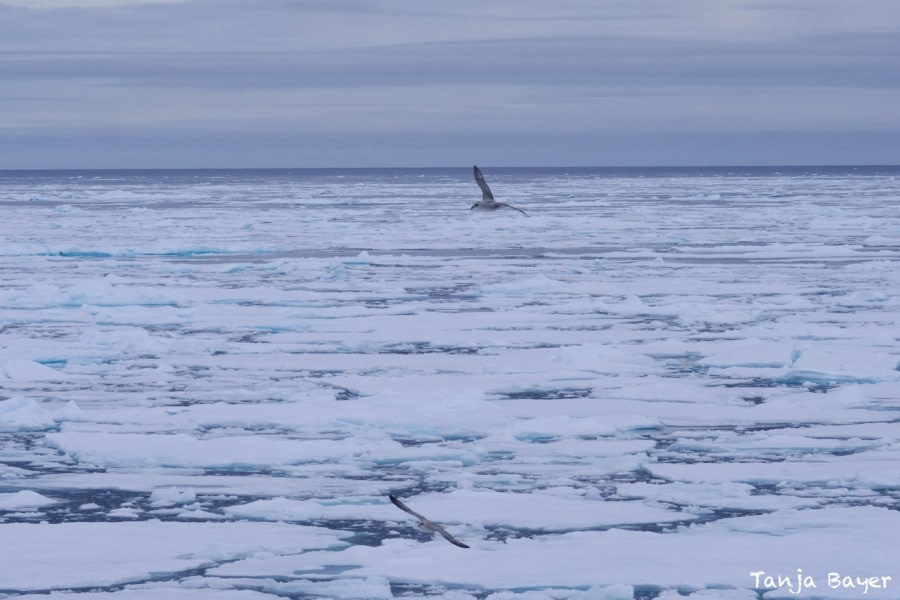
(201, 82)
(69, 4)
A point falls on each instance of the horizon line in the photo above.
(421, 168)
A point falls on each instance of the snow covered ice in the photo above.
(658, 384)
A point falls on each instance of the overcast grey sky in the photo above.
(355, 83)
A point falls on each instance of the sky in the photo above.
(409, 83)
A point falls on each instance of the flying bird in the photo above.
(487, 201)
(426, 524)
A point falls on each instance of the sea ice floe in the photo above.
(601, 557)
(24, 414)
(533, 512)
(182, 450)
(172, 496)
(24, 499)
(28, 370)
(98, 555)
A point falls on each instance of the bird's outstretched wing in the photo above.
(447, 536)
(485, 190)
(405, 508)
(514, 208)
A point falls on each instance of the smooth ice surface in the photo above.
(659, 383)
(77, 555)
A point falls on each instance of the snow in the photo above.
(172, 496)
(655, 386)
(110, 553)
(23, 499)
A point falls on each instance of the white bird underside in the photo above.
(427, 524)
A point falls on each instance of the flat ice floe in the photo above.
(98, 555)
(655, 387)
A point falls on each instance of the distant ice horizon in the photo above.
(659, 168)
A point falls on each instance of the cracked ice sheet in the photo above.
(643, 356)
(86, 555)
(854, 541)
(558, 510)
(874, 469)
(159, 590)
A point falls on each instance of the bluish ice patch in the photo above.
(433, 457)
(85, 254)
(546, 394)
(54, 363)
(820, 381)
(537, 438)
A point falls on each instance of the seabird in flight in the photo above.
(426, 524)
(487, 201)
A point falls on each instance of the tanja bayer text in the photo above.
(800, 582)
